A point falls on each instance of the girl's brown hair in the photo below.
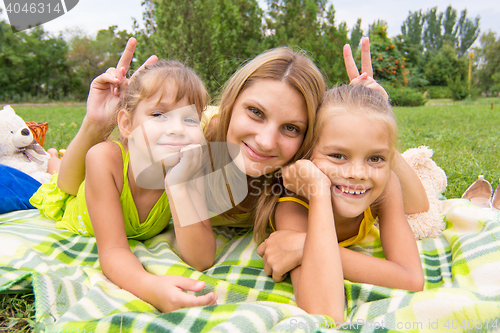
(284, 65)
(356, 99)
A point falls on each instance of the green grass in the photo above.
(64, 121)
(17, 313)
(465, 137)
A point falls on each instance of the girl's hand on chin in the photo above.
(305, 179)
(188, 168)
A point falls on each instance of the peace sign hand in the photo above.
(366, 78)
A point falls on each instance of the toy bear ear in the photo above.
(8, 109)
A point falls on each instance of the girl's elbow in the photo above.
(416, 282)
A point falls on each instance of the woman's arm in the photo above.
(117, 261)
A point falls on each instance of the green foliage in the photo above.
(388, 62)
(404, 96)
(488, 55)
(458, 87)
(212, 37)
(309, 25)
(356, 35)
(89, 57)
(443, 64)
(438, 92)
(433, 43)
(33, 65)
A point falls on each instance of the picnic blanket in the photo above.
(461, 266)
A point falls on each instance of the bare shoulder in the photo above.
(106, 156)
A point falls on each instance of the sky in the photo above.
(94, 15)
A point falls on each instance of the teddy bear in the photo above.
(433, 178)
(18, 149)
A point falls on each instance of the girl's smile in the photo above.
(357, 165)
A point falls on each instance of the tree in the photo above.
(356, 35)
(309, 25)
(91, 56)
(488, 57)
(212, 37)
(443, 65)
(388, 62)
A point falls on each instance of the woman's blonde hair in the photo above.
(156, 78)
(356, 99)
(284, 65)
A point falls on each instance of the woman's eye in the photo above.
(256, 112)
(290, 128)
(376, 159)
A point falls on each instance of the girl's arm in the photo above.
(318, 283)
(102, 102)
(402, 268)
(184, 185)
(117, 261)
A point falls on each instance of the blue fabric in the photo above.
(16, 189)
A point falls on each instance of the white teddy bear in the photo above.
(430, 223)
(18, 149)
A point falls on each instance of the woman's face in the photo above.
(268, 124)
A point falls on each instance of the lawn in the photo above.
(465, 138)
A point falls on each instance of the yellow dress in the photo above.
(365, 228)
(71, 211)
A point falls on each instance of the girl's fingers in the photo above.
(360, 79)
(150, 61)
(350, 65)
(187, 284)
(366, 60)
(128, 54)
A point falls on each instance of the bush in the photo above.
(438, 92)
(404, 96)
(458, 88)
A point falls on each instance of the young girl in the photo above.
(157, 107)
(350, 183)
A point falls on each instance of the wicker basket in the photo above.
(39, 130)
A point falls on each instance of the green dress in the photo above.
(71, 211)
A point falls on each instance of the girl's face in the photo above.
(161, 128)
(353, 151)
(268, 124)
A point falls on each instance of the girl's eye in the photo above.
(337, 156)
(157, 115)
(191, 121)
(376, 159)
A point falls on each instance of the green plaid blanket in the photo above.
(462, 290)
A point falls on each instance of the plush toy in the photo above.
(430, 223)
(18, 149)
